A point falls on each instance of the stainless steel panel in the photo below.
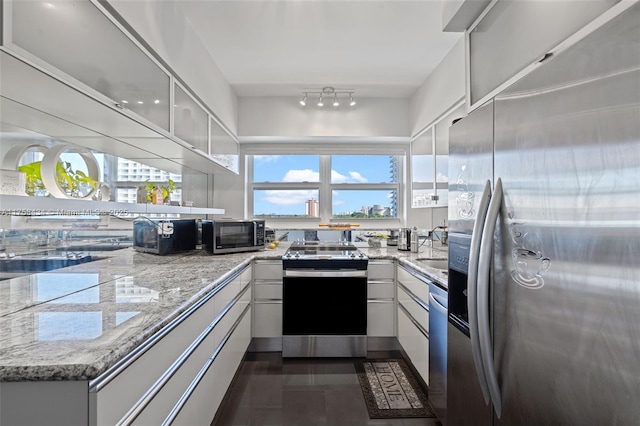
(438, 350)
(301, 273)
(470, 165)
(465, 403)
(566, 271)
(324, 346)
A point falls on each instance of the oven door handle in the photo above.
(323, 273)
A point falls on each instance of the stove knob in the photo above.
(353, 255)
(297, 255)
(361, 254)
(288, 255)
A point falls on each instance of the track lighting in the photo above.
(328, 92)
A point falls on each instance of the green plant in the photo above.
(149, 188)
(33, 177)
(166, 189)
(72, 181)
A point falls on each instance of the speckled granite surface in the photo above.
(76, 322)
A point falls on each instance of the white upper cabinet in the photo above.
(69, 72)
(513, 35)
(224, 149)
(77, 39)
(430, 162)
(190, 120)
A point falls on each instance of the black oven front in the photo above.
(324, 304)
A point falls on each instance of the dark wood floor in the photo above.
(300, 392)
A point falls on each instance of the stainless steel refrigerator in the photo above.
(544, 217)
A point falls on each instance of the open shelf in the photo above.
(34, 206)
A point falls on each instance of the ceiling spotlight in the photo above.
(157, 101)
(326, 92)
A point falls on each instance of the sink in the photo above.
(41, 263)
(434, 263)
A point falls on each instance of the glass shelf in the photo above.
(15, 205)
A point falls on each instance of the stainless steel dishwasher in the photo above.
(438, 307)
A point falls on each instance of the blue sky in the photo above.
(300, 168)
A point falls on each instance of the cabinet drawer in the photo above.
(415, 344)
(268, 291)
(381, 290)
(418, 286)
(381, 270)
(381, 319)
(267, 319)
(268, 270)
(415, 309)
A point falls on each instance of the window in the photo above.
(324, 186)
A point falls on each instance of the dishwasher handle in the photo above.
(437, 305)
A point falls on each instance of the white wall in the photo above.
(164, 27)
(283, 116)
(444, 87)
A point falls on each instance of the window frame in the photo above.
(324, 187)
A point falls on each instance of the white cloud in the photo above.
(305, 175)
(289, 197)
(442, 177)
(354, 177)
(357, 177)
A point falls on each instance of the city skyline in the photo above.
(302, 168)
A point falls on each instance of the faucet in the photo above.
(444, 235)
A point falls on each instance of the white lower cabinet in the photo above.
(381, 298)
(201, 407)
(267, 305)
(167, 375)
(413, 319)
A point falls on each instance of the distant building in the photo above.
(312, 208)
(132, 174)
(393, 171)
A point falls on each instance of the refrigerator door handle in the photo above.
(484, 269)
(472, 292)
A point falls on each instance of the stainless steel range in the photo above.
(324, 302)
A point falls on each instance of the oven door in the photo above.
(324, 313)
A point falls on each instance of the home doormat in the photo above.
(390, 390)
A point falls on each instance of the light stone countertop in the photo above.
(76, 322)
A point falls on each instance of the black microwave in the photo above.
(164, 236)
(232, 236)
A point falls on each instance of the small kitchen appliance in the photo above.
(233, 236)
(165, 236)
(404, 239)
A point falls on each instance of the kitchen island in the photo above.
(75, 323)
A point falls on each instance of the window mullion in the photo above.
(325, 188)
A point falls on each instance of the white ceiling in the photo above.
(383, 48)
